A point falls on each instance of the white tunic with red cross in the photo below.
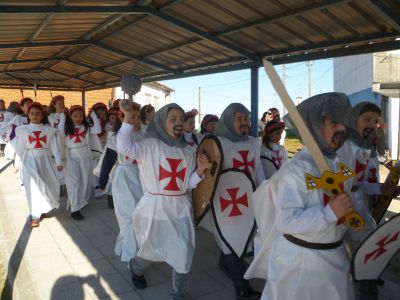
(358, 159)
(283, 205)
(162, 221)
(78, 167)
(244, 156)
(5, 118)
(36, 144)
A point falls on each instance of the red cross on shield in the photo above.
(37, 139)
(377, 250)
(77, 135)
(245, 164)
(234, 201)
(174, 174)
(1, 117)
(233, 211)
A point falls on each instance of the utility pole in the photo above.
(309, 65)
(284, 84)
(199, 96)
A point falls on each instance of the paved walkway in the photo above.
(67, 259)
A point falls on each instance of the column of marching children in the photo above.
(145, 163)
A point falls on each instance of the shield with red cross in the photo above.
(375, 253)
(233, 212)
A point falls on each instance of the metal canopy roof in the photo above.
(90, 44)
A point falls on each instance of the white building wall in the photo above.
(148, 95)
(353, 74)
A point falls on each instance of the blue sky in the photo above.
(218, 90)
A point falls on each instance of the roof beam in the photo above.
(52, 9)
(47, 88)
(93, 69)
(324, 45)
(19, 79)
(204, 35)
(260, 22)
(44, 44)
(386, 13)
(368, 48)
(71, 76)
(32, 60)
(134, 57)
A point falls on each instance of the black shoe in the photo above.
(380, 282)
(247, 293)
(110, 202)
(76, 215)
(138, 281)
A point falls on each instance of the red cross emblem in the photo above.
(245, 164)
(373, 178)
(1, 117)
(78, 135)
(360, 169)
(381, 247)
(277, 158)
(36, 138)
(173, 174)
(242, 200)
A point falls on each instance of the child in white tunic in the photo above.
(270, 149)
(126, 187)
(76, 131)
(5, 118)
(163, 221)
(36, 143)
(302, 255)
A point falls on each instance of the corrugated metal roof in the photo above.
(85, 45)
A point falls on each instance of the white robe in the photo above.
(283, 205)
(163, 219)
(54, 120)
(78, 170)
(16, 121)
(127, 191)
(358, 159)
(277, 154)
(35, 143)
(5, 118)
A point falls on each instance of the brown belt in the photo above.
(316, 246)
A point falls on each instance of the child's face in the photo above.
(26, 106)
(77, 117)
(136, 120)
(35, 115)
(189, 125)
(334, 133)
(101, 114)
(174, 123)
(241, 123)
(59, 105)
(275, 136)
(211, 127)
(367, 124)
(112, 119)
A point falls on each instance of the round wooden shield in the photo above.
(204, 193)
(375, 253)
(233, 212)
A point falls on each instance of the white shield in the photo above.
(233, 212)
(269, 166)
(377, 250)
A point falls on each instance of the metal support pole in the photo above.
(254, 100)
(83, 100)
